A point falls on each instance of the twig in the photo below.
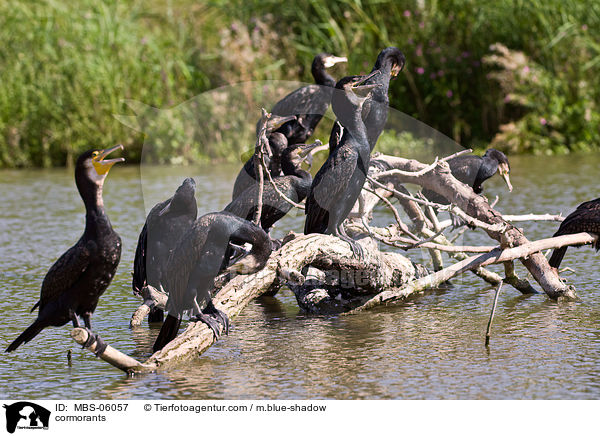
(423, 171)
(489, 326)
(533, 217)
(402, 226)
(258, 157)
(272, 182)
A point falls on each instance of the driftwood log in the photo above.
(326, 277)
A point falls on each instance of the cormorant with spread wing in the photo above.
(74, 284)
(337, 185)
(202, 253)
(166, 223)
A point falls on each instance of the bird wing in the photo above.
(311, 99)
(328, 187)
(586, 218)
(465, 168)
(139, 262)
(66, 271)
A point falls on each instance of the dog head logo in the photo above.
(26, 415)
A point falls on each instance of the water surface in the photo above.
(429, 347)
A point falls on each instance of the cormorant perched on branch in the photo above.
(75, 282)
(337, 185)
(247, 175)
(165, 225)
(202, 253)
(308, 103)
(586, 218)
(294, 184)
(474, 170)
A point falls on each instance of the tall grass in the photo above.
(65, 68)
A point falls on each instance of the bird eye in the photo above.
(94, 154)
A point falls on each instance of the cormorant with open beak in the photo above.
(74, 284)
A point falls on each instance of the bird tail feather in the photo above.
(557, 257)
(29, 333)
(168, 332)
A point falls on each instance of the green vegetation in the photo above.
(66, 69)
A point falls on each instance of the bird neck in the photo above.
(95, 215)
(321, 76)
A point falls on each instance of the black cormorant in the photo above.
(247, 176)
(201, 254)
(75, 282)
(389, 63)
(474, 170)
(308, 103)
(337, 185)
(165, 225)
(294, 184)
(586, 218)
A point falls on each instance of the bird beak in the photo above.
(275, 122)
(503, 170)
(396, 69)
(332, 60)
(305, 150)
(103, 165)
(363, 90)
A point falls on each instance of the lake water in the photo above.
(429, 347)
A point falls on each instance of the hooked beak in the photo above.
(103, 165)
(275, 122)
(503, 170)
(396, 70)
(332, 60)
(364, 90)
(305, 150)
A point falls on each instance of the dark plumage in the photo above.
(165, 225)
(337, 184)
(389, 63)
(202, 253)
(474, 170)
(308, 103)
(247, 176)
(75, 282)
(294, 184)
(586, 218)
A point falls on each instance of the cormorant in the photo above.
(294, 184)
(389, 63)
(308, 103)
(474, 170)
(74, 284)
(337, 185)
(165, 225)
(586, 218)
(247, 176)
(202, 253)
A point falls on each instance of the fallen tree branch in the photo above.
(495, 256)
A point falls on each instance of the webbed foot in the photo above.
(214, 318)
(95, 338)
